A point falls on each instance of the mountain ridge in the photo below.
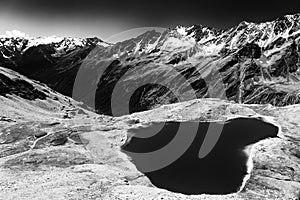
(253, 63)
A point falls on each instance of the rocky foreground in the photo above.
(44, 155)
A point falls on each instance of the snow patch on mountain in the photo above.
(152, 46)
(44, 40)
(172, 43)
(181, 30)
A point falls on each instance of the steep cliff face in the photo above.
(249, 63)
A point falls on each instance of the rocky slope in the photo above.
(50, 148)
(249, 63)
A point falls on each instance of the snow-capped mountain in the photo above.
(52, 60)
(248, 63)
(210, 41)
(19, 41)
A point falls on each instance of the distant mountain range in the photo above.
(249, 63)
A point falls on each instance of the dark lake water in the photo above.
(221, 172)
